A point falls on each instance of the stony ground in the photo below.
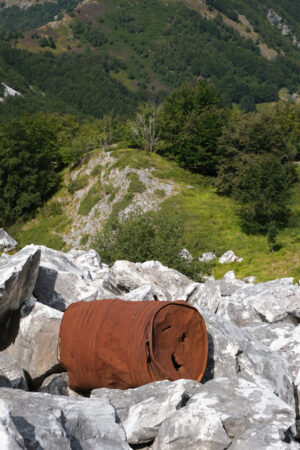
(249, 396)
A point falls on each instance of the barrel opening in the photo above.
(175, 363)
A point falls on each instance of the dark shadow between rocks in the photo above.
(27, 432)
(10, 325)
(210, 367)
(141, 446)
(44, 289)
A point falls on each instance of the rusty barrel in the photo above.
(125, 344)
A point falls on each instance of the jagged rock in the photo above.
(207, 257)
(55, 384)
(60, 282)
(56, 422)
(222, 411)
(6, 241)
(34, 346)
(10, 438)
(229, 257)
(11, 373)
(186, 255)
(143, 409)
(141, 293)
(17, 278)
(125, 276)
(233, 353)
(269, 301)
(283, 338)
(263, 438)
(251, 279)
(207, 295)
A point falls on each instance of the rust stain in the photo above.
(124, 344)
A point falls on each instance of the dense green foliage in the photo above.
(20, 19)
(156, 236)
(191, 123)
(258, 169)
(30, 163)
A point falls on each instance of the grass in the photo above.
(210, 221)
(77, 184)
(91, 199)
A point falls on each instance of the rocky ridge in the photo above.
(249, 396)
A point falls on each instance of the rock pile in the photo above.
(249, 396)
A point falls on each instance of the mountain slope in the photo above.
(148, 48)
(119, 182)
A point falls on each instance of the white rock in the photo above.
(207, 257)
(185, 254)
(35, 346)
(17, 278)
(207, 295)
(142, 293)
(60, 282)
(55, 422)
(10, 438)
(229, 257)
(11, 373)
(6, 241)
(143, 409)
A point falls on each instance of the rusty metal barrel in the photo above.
(125, 344)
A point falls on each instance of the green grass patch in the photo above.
(96, 170)
(91, 199)
(77, 184)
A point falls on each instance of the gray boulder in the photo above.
(56, 384)
(207, 295)
(17, 278)
(229, 257)
(143, 409)
(125, 276)
(11, 373)
(7, 243)
(222, 411)
(233, 353)
(10, 438)
(60, 282)
(186, 255)
(57, 422)
(35, 345)
(207, 257)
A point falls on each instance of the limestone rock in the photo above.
(7, 243)
(60, 282)
(223, 410)
(143, 409)
(11, 373)
(56, 422)
(17, 278)
(233, 353)
(35, 345)
(142, 293)
(125, 276)
(186, 255)
(55, 384)
(229, 257)
(10, 438)
(207, 295)
(207, 257)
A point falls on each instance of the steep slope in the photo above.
(249, 51)
(119, 182)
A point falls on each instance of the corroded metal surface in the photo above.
(119, 344)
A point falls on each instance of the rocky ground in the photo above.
(249, 396)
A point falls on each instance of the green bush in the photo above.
(77, 184)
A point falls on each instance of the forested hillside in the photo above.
(139, 50)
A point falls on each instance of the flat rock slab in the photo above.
(10, 438)
(143, 409)
(60, 282)
(222, 411)
(56, 422)
(18, 275)
(35, 345)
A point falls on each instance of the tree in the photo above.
(258, 169)
(191, 122)
(144, 128)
